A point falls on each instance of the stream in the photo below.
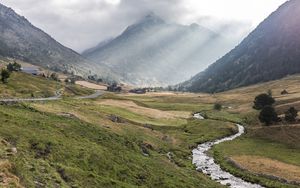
(207, 165)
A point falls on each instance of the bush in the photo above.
(54, 77)
(262, 101)
(217, 106)
(284, 92)
(268, 115)
(291, 115)
(270, 93)
(15, 67)
(4, 75)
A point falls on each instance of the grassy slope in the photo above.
(25, 85)
(55, 150)
(21, 85)
(73, 143)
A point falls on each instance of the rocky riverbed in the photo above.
(207, 165)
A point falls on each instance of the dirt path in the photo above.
(54, 98)
(91, 85)
(98, 93)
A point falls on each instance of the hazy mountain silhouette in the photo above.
(154, 52)
(270, 52)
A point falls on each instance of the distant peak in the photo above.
(5, 8)
(195, 26)
(152, 17)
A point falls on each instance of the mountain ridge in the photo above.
(154, 52)
(267, 53)
(20, 39)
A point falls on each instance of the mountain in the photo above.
(154, 52)
(270, 52)
(19, 39)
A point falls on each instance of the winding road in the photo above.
(207, 165)
(98, 93)
(54, 98)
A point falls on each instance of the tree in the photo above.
(4, 75)
(284, 92)
(268, 115)
(270, 93)
(217, 106)
(54, 76)
(263, 100)
(15, 67)
(291, 115)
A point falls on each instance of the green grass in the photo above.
(168, 103)
(223, 115)
(89, 150)
(253, 146)
(58, 151)
(76, 90)
(276, 143)
(92, 110)
(199, 131)
(176, 106)
(24, 86)
(21, 85)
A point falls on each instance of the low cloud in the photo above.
(82, 24)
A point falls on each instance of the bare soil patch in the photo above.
(91, 85)
(267, 166)
(154, 113)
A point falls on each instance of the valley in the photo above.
(161, 102)
(122, 140)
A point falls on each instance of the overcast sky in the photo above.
(80, 24)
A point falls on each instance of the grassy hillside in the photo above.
(76, 144)
(21, 85)
(113, 141)
(124, 140)
(24, 85)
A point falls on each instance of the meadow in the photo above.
(124, 140)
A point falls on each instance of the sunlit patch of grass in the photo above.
(25, 86)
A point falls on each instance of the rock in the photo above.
(116, 119)
(169, 155)
(14, 150)
(145, 149)
(4, 142)
(147, 145)
(223, 178)
(8, 103)
(166, 138)
(67, 115)
(148, 126)
(11, 151)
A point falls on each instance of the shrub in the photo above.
(291, 115)
(263, 100)
(270, 93)
(4, 75)
(11, 67)
(54, 77)
(217, 106)
(268, 115)
(284, 92)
